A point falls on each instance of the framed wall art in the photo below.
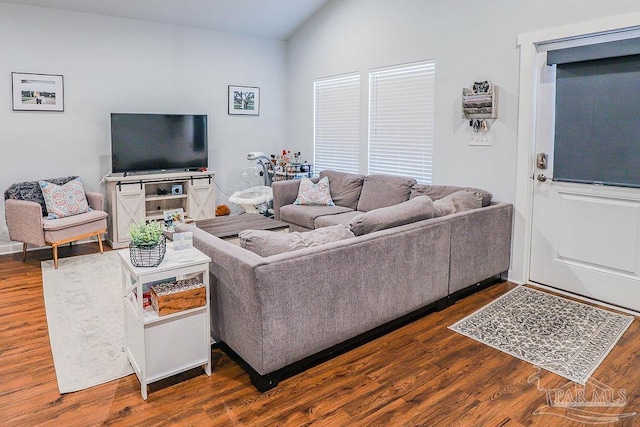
(37, 92)
(173, 217)
(244, 100)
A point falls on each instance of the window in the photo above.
(596, 115)
(336, 126)
(401, 110)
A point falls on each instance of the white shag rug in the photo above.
(560, 335)
(85, 316)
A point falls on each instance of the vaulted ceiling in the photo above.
(276, 19)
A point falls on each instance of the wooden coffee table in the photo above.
(228, 227)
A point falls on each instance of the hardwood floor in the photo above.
(422, 374)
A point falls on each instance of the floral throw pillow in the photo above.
(64, 200)
(314, 194)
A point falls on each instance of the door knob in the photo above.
(541, 178)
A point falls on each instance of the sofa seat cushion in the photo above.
(345, 187)
(341, 218)
(266, 243)
(436, 192)
(379, 191)
(459, 201)
(49, 224)
(304, 215)
(416, 209)
(81, 224)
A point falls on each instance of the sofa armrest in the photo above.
(235, 305)
(480, 244)
(285, 193)
(95, 200)
(24, 221)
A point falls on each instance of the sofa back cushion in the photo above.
(266, 243)
(304, 216)
(413, 210)
(380, 191)
(345, 187)
(436, 192)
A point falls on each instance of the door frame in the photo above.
(529, 45)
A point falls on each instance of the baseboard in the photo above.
(10, 248)
(16, 247)
(509, 277)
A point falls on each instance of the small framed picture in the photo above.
(173, 217)
(182, 240)
(37, 92)
(244, 100)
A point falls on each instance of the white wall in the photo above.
(119, 65)
(469, 41)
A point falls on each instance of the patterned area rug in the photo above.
(85, 316)
(562, 336)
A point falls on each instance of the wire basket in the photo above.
(148, 256)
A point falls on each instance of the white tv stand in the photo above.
(133, 199)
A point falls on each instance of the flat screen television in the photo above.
(158, 142)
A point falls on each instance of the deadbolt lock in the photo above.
(542, 160)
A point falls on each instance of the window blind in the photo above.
(401, 115)
(336, 125)
(597, 122)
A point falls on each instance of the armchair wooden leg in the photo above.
(24, 252)
(100, 242)
(55, 255)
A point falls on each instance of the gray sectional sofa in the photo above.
(277, 314)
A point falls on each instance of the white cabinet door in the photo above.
(130, 207)
(585, 238)
(200, 199)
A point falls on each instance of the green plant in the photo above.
(145, 234)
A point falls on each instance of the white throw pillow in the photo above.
(314, 194)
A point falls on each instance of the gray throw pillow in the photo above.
(266, 243)
(437, 192)
(459, 201)
(413, 210)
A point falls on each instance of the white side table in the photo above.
(161, 346)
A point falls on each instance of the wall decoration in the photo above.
(244, 100)
(182, 240)
(173, 217)
(37, 92)
(479, 103)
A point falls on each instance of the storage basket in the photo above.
(148, 256)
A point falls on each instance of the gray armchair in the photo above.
(28, 223)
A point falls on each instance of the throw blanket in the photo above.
(30, 190)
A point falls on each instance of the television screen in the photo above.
(158, 142)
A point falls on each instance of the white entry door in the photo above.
(585, 238)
